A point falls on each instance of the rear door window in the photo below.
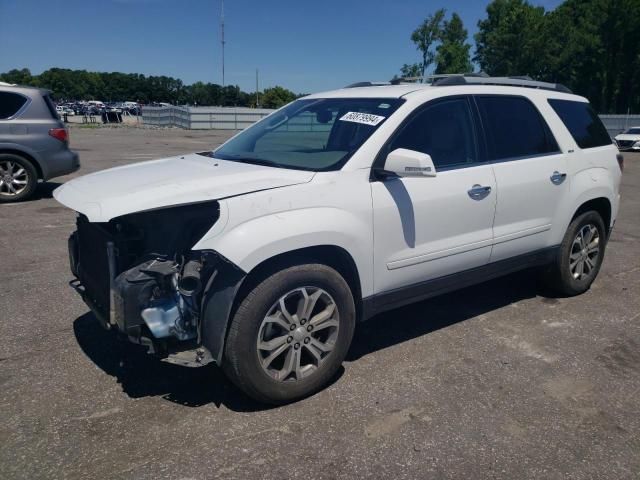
(583, 123)
(514, 128)
(10, 104)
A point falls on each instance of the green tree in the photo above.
(594, 48)
(276, 97)
(452, 55)
(511, 41)
(19, 77)
(117, 86)
(425, 37)
(411, 70)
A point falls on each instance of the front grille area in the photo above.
(93, 264)
(626, 143)
(166, 233)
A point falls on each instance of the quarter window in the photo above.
(444, 130)
(514, 128)
(10, 104)
(583, 123)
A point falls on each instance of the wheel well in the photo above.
(333, 256)
(600, 205)
(28, 157)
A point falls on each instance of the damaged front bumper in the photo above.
(157, 300)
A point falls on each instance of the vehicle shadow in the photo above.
(43, 190)
(142, 375)
(415, 320)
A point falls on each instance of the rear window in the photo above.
(50, 106)
(583, 123)
(514, 128)
(10, 104)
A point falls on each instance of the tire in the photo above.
(279, 292)
(564, 275)
(18, 178)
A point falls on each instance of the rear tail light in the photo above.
(60, 134)
(620, 159)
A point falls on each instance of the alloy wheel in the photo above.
(585, 250)
(298, 334)
(14, 178)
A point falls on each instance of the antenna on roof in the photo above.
(222, 37)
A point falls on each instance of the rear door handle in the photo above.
(478, 192)
(557, 178)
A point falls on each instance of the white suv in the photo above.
(262, 255)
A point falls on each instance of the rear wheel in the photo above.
(18, 178)
(580, 257)
(290, 334)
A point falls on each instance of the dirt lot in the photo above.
(494, 381)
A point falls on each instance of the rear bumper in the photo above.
(62, 162)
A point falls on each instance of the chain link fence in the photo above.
(203, 118)
(239, 118)
(616, 124)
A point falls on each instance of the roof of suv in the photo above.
(378, 91)
(401, 90)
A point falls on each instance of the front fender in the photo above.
(250, 243)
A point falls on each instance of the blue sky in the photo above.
(302, 45)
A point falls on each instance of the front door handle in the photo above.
(478, 192)
(557, 178)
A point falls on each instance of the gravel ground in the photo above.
(494, 381)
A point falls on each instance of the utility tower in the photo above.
(222, 37)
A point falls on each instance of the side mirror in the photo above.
(409, 163)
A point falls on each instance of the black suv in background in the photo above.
(34, 143)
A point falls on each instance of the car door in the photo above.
(430, 227)
(530, 170)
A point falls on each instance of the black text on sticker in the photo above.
(364, 118)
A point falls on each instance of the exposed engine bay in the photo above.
(140, 277)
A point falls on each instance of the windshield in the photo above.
(318, 134)
(633, 131)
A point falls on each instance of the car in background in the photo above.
(34, 144)
(629, 139)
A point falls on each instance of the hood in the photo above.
(172, 181)
(628, 136)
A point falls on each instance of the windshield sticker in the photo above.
(364, 118)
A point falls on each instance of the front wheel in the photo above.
(580, 256)
(290, 334)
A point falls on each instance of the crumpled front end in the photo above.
(140, 277)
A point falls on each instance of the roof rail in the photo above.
(517, 81)
(431, 79)
(367, 84)
(478, 78)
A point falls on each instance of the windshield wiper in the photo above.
(251, 160)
